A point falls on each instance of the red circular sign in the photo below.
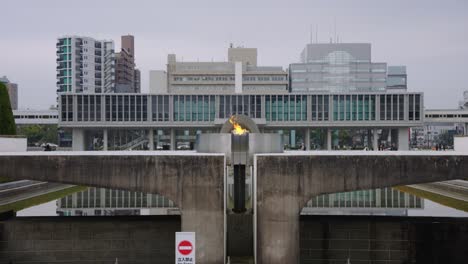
(185, 247)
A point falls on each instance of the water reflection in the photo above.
(101, 201)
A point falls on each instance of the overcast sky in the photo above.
(429, 37)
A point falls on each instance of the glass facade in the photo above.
(194, 108)
(285, 108)
(356, 107)
(249, 105)
(273, 108)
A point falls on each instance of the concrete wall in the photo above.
(370, 239)
(141, 239)
(285, 183)
(194, 182)
(158, 82)
(13, 144)
(460, 143)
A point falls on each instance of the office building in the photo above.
(12, 89)
(337, 67)
(240, 74)
(85, 65)
(396, 78)
(127, 78)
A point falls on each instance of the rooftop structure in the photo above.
(240, 74)
(342, 67)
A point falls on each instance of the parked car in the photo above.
(49, 146)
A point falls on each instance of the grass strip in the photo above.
(438, 198)
(40, 199)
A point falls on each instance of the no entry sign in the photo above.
(185, 248)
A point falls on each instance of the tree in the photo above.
(7, 121)
(38, 134)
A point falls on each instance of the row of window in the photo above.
(286, 108)
(230, 78)
(274, 108)
(194, 107)
(249, 105)
(35, 116)
(446, 116)
(347, 69)
(354, 107)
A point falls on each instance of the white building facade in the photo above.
(85, 65)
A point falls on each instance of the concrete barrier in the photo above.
(195, 182)
(13, 144)
(285, 183)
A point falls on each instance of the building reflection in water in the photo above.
(101, 201)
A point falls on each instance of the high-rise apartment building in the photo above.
(12, 89)
(337, 67)
(127, 78)
(240, 74)
(85, 65)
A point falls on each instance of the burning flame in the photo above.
(238, 129)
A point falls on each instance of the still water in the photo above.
(431, 209)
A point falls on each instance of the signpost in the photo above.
(185, 248)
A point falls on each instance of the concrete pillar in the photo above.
(375, 139)
(329, 138)
(466, 129)
(105, 139)
(307, 139)
(151, 139)
(173, 139)
(78, 142)
(403, 138)
(278, 230)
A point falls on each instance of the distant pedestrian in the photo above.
(47, 148)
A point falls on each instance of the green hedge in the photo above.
(7, 121)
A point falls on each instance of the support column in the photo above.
(307, 139)
(403, 141)
(466, 129)
(78, 142)
(151, 139)
(173, 139)
(329, 138)
(105, 139)
(375, 139)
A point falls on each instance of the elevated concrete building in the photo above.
(123, 121)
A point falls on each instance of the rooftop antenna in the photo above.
(316, 33)
(334, 25)
(311, 34)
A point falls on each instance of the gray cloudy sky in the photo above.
(429, 37)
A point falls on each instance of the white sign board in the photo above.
(185, 248)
